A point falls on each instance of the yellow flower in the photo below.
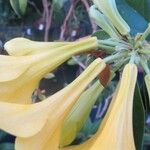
(22, 46)
(116, 131)
(27, 120)
(36, 124)
(19, 76)
(109, 8)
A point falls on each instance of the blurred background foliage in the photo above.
(49, 20)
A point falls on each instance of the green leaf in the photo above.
(141, 6)
(147, 138)
(138, 119)
(58, 4)
(19, 6)
(3, 135)
(79, 114)
(23, 6)
(135, 20)
(7, 146)
(101, 35)
(90, 128)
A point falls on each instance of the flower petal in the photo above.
(20, 80)
(22, 46)
(23, 119)
(60, 105)
(11, 67)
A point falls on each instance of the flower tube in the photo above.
(21, 46)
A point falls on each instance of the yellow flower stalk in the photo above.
(21, 46)
(19, 76)
(116, 131)
(35, 124)
(109, 8)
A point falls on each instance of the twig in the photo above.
(100, 112)
(35, 7)
(64, 26)
(47, 14)
(93, 25)
(79, 62)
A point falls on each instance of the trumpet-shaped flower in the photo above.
(19, 76)
(35, 124)
(108, 7)
(22, 46)
(116, 131)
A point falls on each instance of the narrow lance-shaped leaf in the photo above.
(147, 81)
(138, 118)
(80, 112)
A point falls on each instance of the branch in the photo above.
(47, 15)
(93, 25)
(64, 26)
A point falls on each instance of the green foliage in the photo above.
(79, 114)
(6, 146)
(141, 6)
(138, 119)
(100, 34)
(58, 4)
(135, 20)
(19, 6)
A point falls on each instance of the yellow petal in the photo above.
(109, 8)
(22, 120)
(116, 132)
(22, 46)
(18, 83)
(53, 144)
(60, 105)
(11, 68)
